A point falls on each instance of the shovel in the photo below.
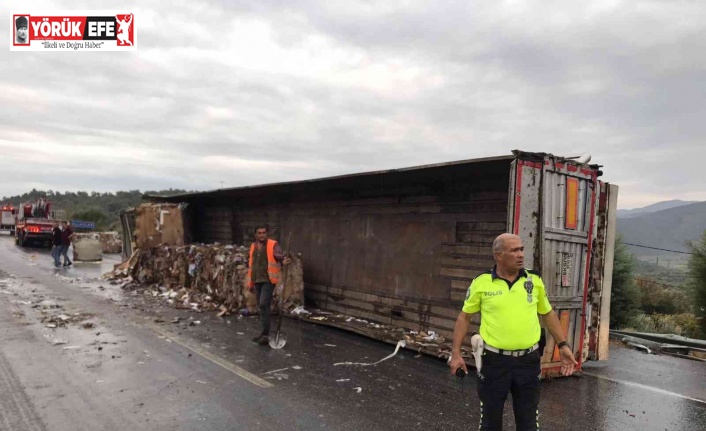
(279, 340)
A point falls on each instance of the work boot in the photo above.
(257, 337)
(264, 340)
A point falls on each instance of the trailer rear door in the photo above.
(553, 206)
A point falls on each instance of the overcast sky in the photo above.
(248, 93)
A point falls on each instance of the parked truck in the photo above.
(34, 222)
(7, 219)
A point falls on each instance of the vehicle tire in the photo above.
(21, 239)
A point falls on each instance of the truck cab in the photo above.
(7, 218)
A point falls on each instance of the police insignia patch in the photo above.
(529, 287)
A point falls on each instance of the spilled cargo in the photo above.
(204, 277)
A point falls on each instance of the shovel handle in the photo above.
(284, 280)
(284, 270)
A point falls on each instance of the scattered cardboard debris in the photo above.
(110, 242)
(62, 320)
(203, 277)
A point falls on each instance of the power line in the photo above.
(657, 248)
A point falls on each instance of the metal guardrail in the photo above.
(669, 344)
(665, 338)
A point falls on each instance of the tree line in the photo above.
(101, 208)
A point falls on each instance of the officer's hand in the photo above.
(456, 363)
(568, 362)
(287, 260)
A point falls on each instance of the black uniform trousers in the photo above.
(504, 374)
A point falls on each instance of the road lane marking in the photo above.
(240, 372)
(641, 386)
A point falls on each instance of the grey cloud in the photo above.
(623, 85)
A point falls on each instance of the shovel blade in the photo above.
(278, 341)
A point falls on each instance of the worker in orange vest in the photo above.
(264, 270)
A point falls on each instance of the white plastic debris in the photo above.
(353, 319)
(278, 376)
(477, 345)
(300, 310)
(433, 336)
(275, 371)
(358, 389)
(400, 343)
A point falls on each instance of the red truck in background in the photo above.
(7, 218)
(34, 223)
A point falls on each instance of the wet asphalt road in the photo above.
(136, 370)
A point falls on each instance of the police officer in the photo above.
(509, 298)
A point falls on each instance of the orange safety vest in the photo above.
(273, 267)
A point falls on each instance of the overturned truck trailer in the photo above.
(401, 247)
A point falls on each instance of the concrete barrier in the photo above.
(87, 247)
